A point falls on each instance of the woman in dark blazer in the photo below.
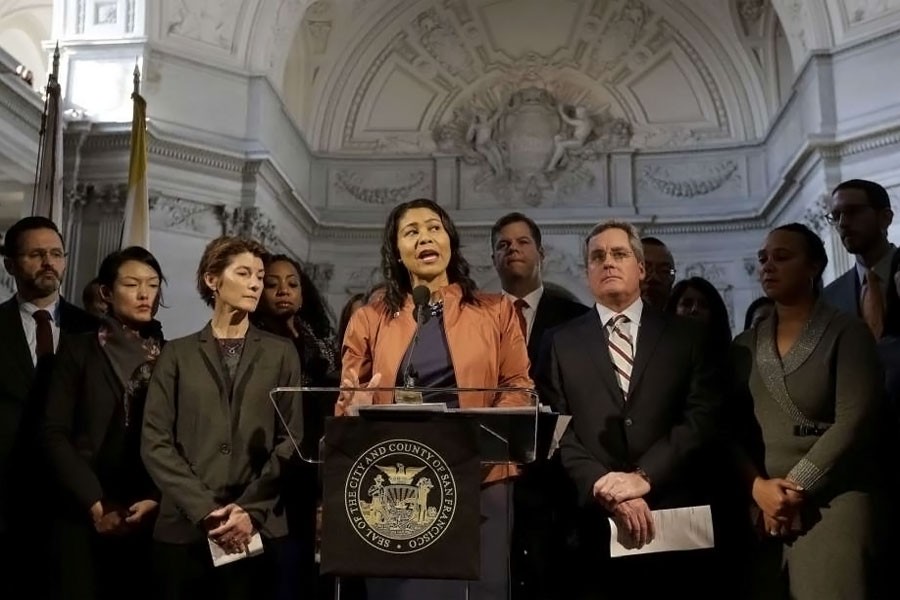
(91, 434)
(212, 439)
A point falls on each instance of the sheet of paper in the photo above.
(220, 557)
(562, 423)
(688, 528)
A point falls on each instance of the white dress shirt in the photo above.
(633, 312)
(29, 325)
(532, 299)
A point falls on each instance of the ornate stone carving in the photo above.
(619, 36)
(209, 21)
(7, 285)
(750, 11)
(105, 13)
(691, 181)
(559, 262)
(865, 10)
(444, 44)
(523, 144)
(354, 184)
(321, 275)
(814, 216)
(361, 279)
(187, 215)
(251, 222)
(751, 266)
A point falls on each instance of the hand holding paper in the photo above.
(675, 529)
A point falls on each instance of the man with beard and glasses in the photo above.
(861, 213)
(31, 323)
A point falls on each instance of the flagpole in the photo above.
(46, 199)
(136, 227)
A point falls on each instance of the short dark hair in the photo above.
(757, 304)
(653, 241)
(109, 268)
(217, 256)
(875, 193)
(516, 217)
(719, 321)
(815, 250)
(87, 294)
(14, 233)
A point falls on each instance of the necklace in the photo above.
(231, 347)
(436, 308)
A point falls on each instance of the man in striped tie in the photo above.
(643, 393)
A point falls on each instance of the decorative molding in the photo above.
(190, 216)
(120, 141)
(690, 181)
(750, 12)
(353, 183)
(814, 215)
(321, 275)
(209, 22)
(251, 222)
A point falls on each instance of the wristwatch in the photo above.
(642, 473)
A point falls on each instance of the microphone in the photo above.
(421, 295)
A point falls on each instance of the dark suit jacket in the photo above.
(670, 415)
(22, 391)
(843, 293)
(206, 445)
(87, 445)
(552, 310)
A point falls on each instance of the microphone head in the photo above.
(421, 295)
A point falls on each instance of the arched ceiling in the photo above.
(383, 76)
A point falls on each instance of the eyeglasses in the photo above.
(599, 256)
(42, 255)
(851, 211)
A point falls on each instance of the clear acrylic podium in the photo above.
(387, 451)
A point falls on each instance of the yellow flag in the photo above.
(136, 231)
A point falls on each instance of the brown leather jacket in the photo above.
(486, 346)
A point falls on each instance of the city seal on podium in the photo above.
(400, 496)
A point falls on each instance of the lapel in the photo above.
(210, 352)
(650, 330)
(597, 345)
(11, 322)
(250, 355)
(95, 354)
(850, 291)
(773, 369)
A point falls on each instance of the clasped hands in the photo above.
(780, 501)
(230, 527)
(348, 398)
(110, 519)
(622, 495)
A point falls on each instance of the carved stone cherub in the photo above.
(581, 129)
(481, 135)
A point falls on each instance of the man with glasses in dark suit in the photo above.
(31, 323)
(861, 213)
(660, 268)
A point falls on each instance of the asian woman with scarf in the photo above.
(91, 434)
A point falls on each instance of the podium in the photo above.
(402, 480)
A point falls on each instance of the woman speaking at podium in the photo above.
(466, 339)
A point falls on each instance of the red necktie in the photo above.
(44, 337)
(521, 305)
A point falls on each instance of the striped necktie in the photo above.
(621, 351)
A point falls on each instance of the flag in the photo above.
(136, 231)
(48, 189)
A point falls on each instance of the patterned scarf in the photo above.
(132, 355)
